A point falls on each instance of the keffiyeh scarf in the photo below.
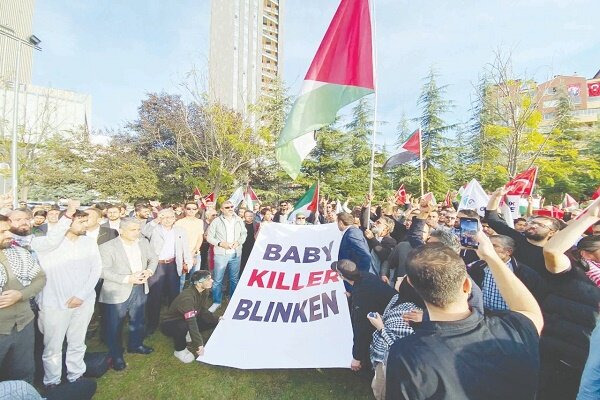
(22, 264)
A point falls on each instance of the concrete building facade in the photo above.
(16, 19)
(41, 111)
(245, 51)
(583, 94)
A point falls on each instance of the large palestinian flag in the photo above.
(340, 73)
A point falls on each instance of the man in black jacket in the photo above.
(529, 244)
(369, 294)
(482, 276)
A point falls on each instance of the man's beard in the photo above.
(534, 236)
(20, 231)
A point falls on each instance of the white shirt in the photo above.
(168, 250)
(114, 224)
(72, 269)
(93, 233)
(229, 233)
(134, 256)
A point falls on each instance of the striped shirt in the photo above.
(594, 272)
(394, 328)
(492, 299)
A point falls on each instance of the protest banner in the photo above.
(289, 309)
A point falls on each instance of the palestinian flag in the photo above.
(250, 198)
(340, 73)
(409, 151)
(307, 204)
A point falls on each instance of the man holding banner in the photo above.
(369, 294)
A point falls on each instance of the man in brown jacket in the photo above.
(21, 278)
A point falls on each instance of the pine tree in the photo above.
(433, 128)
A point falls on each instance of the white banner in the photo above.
(289, 309)
(474, 198)
(514, 203)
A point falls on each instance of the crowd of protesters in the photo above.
(513, 319)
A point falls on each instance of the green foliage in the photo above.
(70, 166)
(435, 146)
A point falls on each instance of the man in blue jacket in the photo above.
(354, 246)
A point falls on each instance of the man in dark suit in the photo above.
(353, 246)
(102, 233)
(127, 263)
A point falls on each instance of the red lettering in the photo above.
(331, 276)
(280, 284)
(256, 277)
(314, 278)
(295, 285)
(271, 279)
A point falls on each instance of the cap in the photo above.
(347, 269)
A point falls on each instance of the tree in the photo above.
(433, 128)
(193, 141)
(511, 117)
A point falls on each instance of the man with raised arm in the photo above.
(530, 243)
(460, 353)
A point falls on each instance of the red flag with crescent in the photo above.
(522, 184)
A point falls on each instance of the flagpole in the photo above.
(421, 160)
(374, 37)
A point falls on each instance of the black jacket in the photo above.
(105, 234)
(383, 248)
(369, 294)
(571, 312)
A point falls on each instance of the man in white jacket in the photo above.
(67, 301)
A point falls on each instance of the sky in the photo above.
(118, 51)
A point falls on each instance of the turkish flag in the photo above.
(596, 194)
(522, 184)
(400, 195)
(593, 89)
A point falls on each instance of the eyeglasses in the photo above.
(539, 224)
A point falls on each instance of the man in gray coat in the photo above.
(127, 263)
(170, 244)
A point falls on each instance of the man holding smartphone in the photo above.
(460, 353)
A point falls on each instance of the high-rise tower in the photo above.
(245, 50)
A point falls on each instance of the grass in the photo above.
(161, 376)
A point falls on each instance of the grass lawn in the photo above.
(161, 376)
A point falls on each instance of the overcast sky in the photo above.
(119, 50)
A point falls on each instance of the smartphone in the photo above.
(468, 229)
